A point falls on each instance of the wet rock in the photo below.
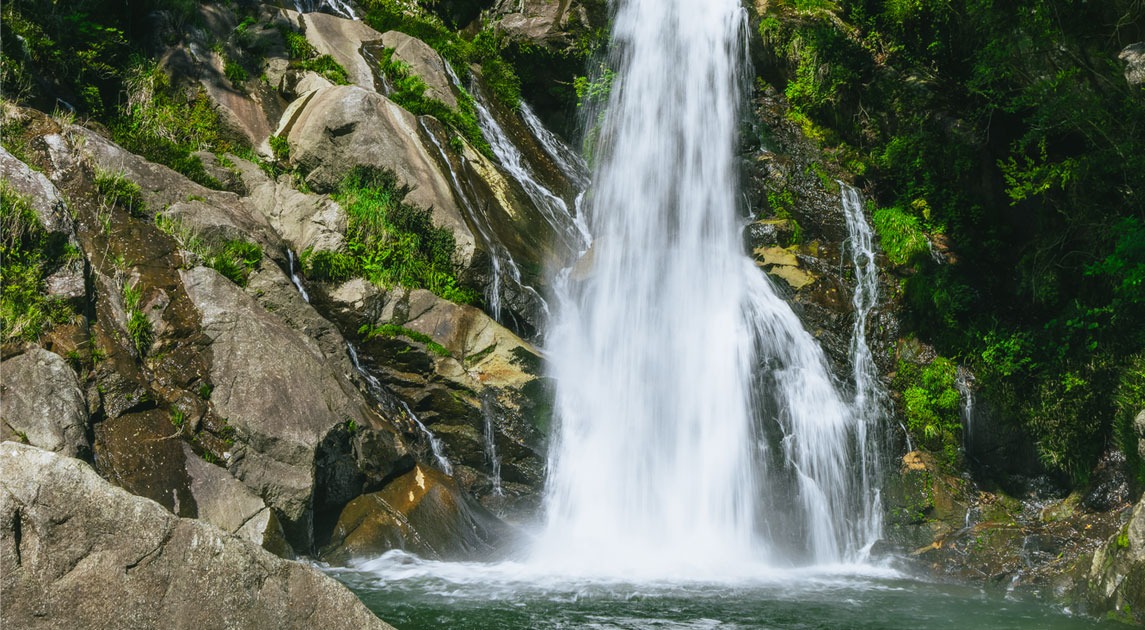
(78, 552)
(533, 20)
(422, 512)
(41, 403)
(1116, 583)
(346, 126)
(143, 454)
(424, 62)
(1139, 428)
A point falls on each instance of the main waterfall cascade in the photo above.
(699, 431)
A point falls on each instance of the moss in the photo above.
(391, 331)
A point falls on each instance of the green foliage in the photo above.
(932, 404)
(409, 92)
(390, 331)
(326, 66)
(900, 235)
(235, 259)
(120, 192)
(281, 148)
(235, 73)
(1129, 401)
(166, 125)
(28, 254)
(139, 327)
(389, 242)
(594, 92)
(485, 49)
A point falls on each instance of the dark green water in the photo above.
(411, 593)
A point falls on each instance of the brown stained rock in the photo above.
(422, 512)
(41, 402)
(143, 454)
(1116, 579)
(76, 552)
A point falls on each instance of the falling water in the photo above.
(487, 410)
(294, 276)
(698, 428)
(435, 444)
(867, 405)
(342, 8)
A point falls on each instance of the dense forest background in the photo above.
(1000, 142)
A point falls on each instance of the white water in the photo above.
(339, 7)
(294, 277)
(699, 432)
(868, 403)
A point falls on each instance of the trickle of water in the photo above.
(381, 396)
(491, 444)
(341, 8)
(698, 430)
(965, 384)
(435, 444)
(294, 276)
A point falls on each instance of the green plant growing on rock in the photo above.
(409, 92)
(304, 56)
(235, 259)
(28, 254)
(391, 331)
(900, 235)
(388, 241)
(139, 327)
(120, 192)
(932, 404)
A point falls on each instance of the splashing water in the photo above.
(699, 430)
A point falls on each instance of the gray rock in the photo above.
(77, 552)
(1139, 428)
(303, 220)
(425, 62)
(534, 20)
(1117, 574)
(346, 126)
(42, 402)
(342, 39)
(226, 503)
(1134, 58)
(274, 386)
(43, 196)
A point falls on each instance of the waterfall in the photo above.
(698, 430)
(868, 403)
(342, 8)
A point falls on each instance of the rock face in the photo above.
(422, 512)
(1116, 580)
(41, 402)
(346, 126)
(425, 62)
(78, 552)
(42, 193)
(281, 438)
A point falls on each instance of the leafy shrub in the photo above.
(235, 73)
(326, 66)
(932, 404)
(389, 242)
(28, 254)
(900, 235)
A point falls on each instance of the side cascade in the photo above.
(698, 431)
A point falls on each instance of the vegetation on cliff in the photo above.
(1006, 136)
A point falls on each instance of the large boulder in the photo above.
(342, 127)
(291, 413)
(1116, 580)
(76, 551)
(343, 40)
(41, 193)
(41, 402)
